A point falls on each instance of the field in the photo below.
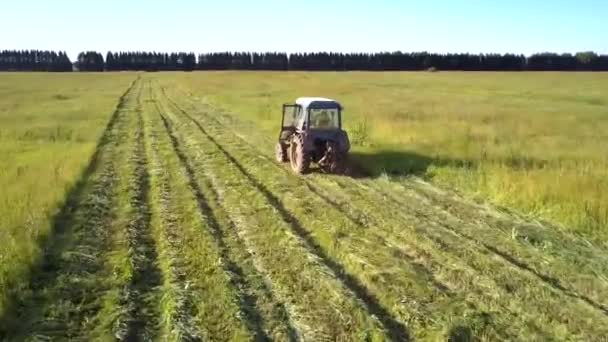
(143, 206)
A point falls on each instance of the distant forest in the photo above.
(36, 60)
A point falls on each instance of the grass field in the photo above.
(149, 206)
(49, 128)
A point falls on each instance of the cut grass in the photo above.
(215, 301)
(512, 301)
(266, 318)
(321, 305)
(180, 295)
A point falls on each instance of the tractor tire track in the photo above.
(64, 289)
(595, 260)
(423, 266)
(516, 263)
(181, 320)
(455, 247)
(272, 320)
(395, 328)
(247, 300)
(139, 319)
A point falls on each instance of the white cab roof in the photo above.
(305, 102)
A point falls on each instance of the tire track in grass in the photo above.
(140, 298)
(395, 328)
(180, 311)
(247, 302)
(256, 292)
(514, 287)
(209, 307)
(432, 261)
(244, 277)
(65, 289)
(522, 266)
(520, 233)
(423, 267)
(359, 216)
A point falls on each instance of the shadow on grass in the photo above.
(460, 334)
(394, 162)
(397, 163)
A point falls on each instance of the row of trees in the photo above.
(153, 61)
(149, 61)
(34, 60)
(584, 61)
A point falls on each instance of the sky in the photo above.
(475, 26)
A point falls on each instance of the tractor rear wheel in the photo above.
(299, 157)
(336, 160)
(280, 153)
(338, 164)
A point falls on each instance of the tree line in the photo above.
(148, 61)
(35, 60)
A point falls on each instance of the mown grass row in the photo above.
(514, 288)
(198, 274)
(497, 284)
(322, 300)
(180, 319)
(567, 263)
(138, 299)
(263, 314)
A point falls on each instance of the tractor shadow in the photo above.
(397, 163)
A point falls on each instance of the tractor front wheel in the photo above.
(299, 157)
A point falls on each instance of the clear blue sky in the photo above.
(519, 26)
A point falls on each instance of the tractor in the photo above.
(311, 131)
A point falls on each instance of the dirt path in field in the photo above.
(185, 228)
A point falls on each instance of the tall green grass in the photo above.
(531, 141)
(49, 128)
